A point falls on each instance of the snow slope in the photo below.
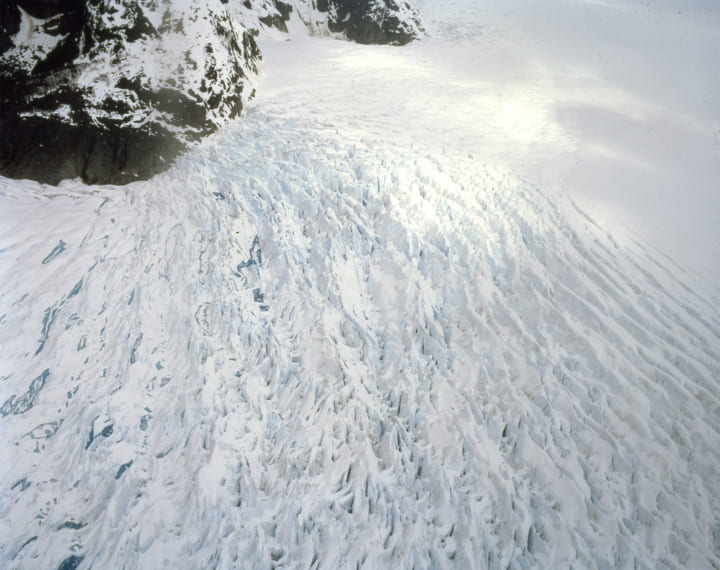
(329, 338)
(615, 102)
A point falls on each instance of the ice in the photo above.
(347, 332)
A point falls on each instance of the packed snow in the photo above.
(406, 312)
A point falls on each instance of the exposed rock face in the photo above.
(364, 21)
(113, 90)
(279, 14)
(374, 21)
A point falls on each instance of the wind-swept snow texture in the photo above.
(317, 343)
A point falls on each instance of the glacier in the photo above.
(375, 322)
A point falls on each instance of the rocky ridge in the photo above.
(112, 91)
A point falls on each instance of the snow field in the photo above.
(354, 329)
(418, 362)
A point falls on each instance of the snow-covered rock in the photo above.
(373, 22)
(112, 91)
(362, 21)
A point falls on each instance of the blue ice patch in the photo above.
(19, 405)
(124, 467)
(57, 250)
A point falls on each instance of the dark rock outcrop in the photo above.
(113, 90)
(278, 16)
(50, 150)
(373, 21)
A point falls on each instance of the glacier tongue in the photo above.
(296, 349)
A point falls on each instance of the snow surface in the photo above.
(374, 322)
(616, 102)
